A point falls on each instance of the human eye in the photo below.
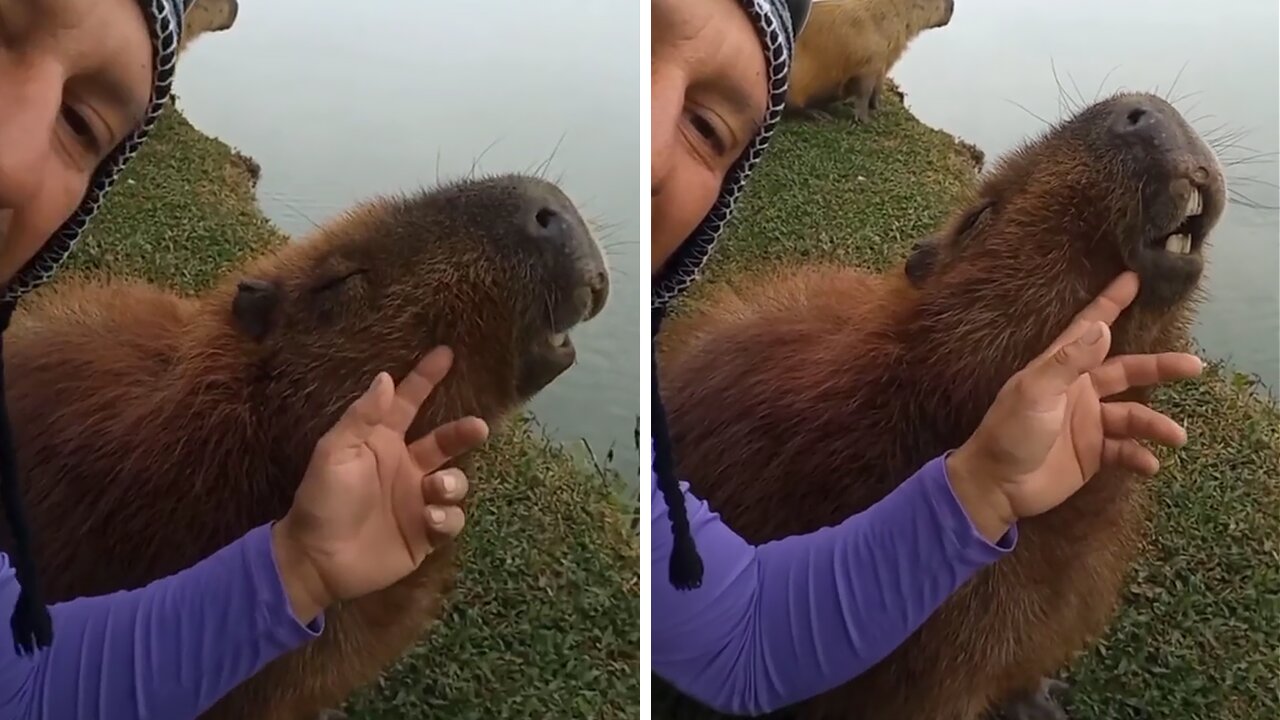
(81, 128)
(707, 129)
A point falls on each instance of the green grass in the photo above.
(545, 622)
(1199, 637)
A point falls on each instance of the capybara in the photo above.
(205, 16)
(800, 397)
(154, 429)
(847, 48)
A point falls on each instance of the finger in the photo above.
(444, 522)
(1128, 454)
(361, 417)
(1048, 377)
(1127, 371)
(417, 385)
(1106, 307)
(448, 441)
(445, 487)
(1133, 420)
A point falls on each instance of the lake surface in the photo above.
(964, 78)
(338, 104)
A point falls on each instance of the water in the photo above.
(964, 78)
(338, 104)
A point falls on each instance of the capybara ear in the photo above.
(921, 261)
(254, 308)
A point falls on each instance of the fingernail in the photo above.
(437, 515)
(448, 482)
(1094, 334)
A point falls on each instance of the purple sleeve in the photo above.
(168, 650)
(782, 622)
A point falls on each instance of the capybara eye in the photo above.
(336, 282)
(971, 219)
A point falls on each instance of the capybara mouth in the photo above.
(1182, 238)
(554, 352)
(1180, 197)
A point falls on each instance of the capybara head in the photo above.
(1125, 184)
(204, 16)
(499, 269)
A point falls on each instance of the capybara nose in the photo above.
(1143, 119)
(550, 217)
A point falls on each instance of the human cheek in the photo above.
(685, 200)
(24, 231)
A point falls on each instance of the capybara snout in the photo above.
(948, 10)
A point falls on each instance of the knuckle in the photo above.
(1062, 355)
(1020, 385)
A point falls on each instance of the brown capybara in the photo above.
(847, 48)
(801, 397)
(154, 429)
(204, 16)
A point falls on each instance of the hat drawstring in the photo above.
(686, 564)
(31, 623)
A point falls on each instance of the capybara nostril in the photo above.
(548, 223)
(1138, 117)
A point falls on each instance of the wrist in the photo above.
(980, 495)
(306, 591)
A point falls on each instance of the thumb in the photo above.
(1052, 375)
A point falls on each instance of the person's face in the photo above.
(709, 97)
(75, 80)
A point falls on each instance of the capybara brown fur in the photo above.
(205, 16)
(154, 429)
(847, 48)
(798, 398)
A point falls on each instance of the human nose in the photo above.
(667, 94)
(30, 97)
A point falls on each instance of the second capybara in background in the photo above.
(180, 423)
(205, 16)
(801, 397)
(847, 48)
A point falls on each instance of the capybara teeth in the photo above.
(1178, 244)
(1195, 203)
(559, 339)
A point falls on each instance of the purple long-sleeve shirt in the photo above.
(166, 651)
(779, 623)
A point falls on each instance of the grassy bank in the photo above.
(545, 622)
(1199, 638)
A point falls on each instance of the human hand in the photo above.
(371, 507)
(1049, 430)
